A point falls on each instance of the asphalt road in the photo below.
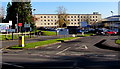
(77, 54)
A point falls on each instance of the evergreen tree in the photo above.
(19, 12)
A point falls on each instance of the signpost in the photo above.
(20, 25)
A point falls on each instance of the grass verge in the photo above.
(117, 41)
(89, 34)
(41, 43)
(9, 37)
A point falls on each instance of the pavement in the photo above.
(81, 53)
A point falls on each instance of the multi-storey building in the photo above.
(50, 20)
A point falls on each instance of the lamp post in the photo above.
(34, 20)
(111, 20)
(17, 23)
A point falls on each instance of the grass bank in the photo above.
(117, 41)
(89, 34)
(9, 37)
(41, 43)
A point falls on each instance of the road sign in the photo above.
(19, 24)
(26, 25)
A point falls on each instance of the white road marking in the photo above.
(13, 65)
(63, 50)
(82, 47)
(59, 46)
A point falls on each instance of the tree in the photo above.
(19, 12)
(62, 17)
(1, 14)
(9, 14)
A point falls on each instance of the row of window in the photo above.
(70, 16)
(55, 23)
(73, 20)
(48, 24)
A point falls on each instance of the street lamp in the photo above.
(112, 13)
(111, 20)
(34, 20)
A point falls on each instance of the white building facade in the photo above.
(50, 20)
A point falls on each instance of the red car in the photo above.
(111, 32)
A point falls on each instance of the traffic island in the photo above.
(117, 41)
(108, 44)
(41, 43)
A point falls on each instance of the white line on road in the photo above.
(59, 46)
(63, 50)
(82, 47)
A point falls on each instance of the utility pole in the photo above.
(17, 23)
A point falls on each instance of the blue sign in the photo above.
(84, 24)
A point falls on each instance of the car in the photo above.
(110, 32)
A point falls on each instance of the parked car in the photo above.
(110, 32)
(100, 32)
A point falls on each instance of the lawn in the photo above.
(41, 43)
(89, 34)
(117, 41)
(48, 33)
(9, 37)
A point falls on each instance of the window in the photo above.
(74, 16)
(81, 16)
(51, 23)
(78, 19)
(48, 17)
(71, 19)
(44, 23)
(78, 23)
(41, 16)
(75, 20)
(84, 16)
(48, 20)
(48, 23)
(55, 23)
(74, 23)
(93, 16)
(44, 20)
(51, 20)
(51, 16)
(68, 16)
(71, 23)
(96, 16)
(71, 16)
(41, 20)
(41, 23)
(78, 16)
(44, 16)
(55, 16)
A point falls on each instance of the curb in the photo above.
(103, 45)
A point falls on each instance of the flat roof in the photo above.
(68, 14)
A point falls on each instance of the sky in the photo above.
(104, 8)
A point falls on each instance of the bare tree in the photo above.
(62, 16)
(1, 13)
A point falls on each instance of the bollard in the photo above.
(21, 41)
(73, 35)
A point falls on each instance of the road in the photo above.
(77, 54)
